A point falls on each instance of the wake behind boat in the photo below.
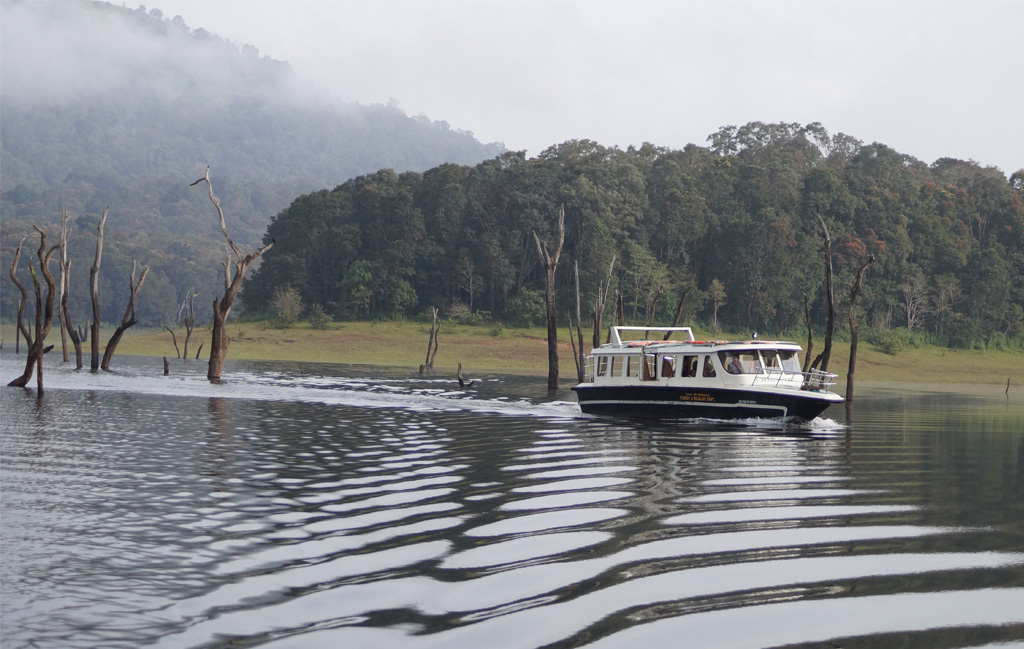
(681, 379)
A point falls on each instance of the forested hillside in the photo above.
(106, 106)
(735, 224)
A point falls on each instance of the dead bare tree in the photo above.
(67, 329)
(40, 336)
(679, 308)
(600, 302)
(94, 290)
(435, 331)
(578, 352)
(129, 315)
(44, 312)
(821, 361)
(462, 379)
(187, 316)
(550, 263)
(653, 304)
(64, 232)
(219, 339)
(810, 334)
(174, 339)
(20, 330)
(854, 290)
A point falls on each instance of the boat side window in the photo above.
(649, 365)
(771, 359)
(616, 366)
(709, 368)
(690, 366)
(746, 362)
(632, 365)
(602, 366)
(790, 361)
(668, 367)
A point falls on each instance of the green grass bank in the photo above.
(485, 348)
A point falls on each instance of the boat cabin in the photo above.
(660, 377)
(693, 363)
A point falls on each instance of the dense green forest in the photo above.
(106, 106)
(735, 222)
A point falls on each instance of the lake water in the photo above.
(320, 506)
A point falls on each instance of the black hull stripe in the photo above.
(782, 410)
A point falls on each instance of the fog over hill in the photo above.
(103, 106)
(113, 95)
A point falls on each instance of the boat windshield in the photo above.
(790, 361)
(752, 361)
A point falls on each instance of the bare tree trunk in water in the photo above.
(65, 266)
(174, 339)
(44, 314)
(65, 304)
(578, 354)
(187, 316)
(129, 316)
(854, 290)
(810, 334)
(821, 362)
(219, 339)
(600, 302)
(21, 331)
(550, 263)
(428, 362)
(94, 280)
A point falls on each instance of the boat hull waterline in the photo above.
(650, 402)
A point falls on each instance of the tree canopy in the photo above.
(739, 217)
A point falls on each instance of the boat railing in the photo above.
(818, 380)
(589, 368)
(616, 332)
(812, 380)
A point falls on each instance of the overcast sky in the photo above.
(930, 79)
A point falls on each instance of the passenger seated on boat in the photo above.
(740, 362)
(709, 368)
(689, 366)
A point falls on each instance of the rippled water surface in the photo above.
(335, 506)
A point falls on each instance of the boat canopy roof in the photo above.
(619, 345)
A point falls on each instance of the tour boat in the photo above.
(680, 379)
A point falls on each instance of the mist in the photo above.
(56, 52)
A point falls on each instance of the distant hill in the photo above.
(112, 96)
(106, 106)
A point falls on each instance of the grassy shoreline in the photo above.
(524, 351)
